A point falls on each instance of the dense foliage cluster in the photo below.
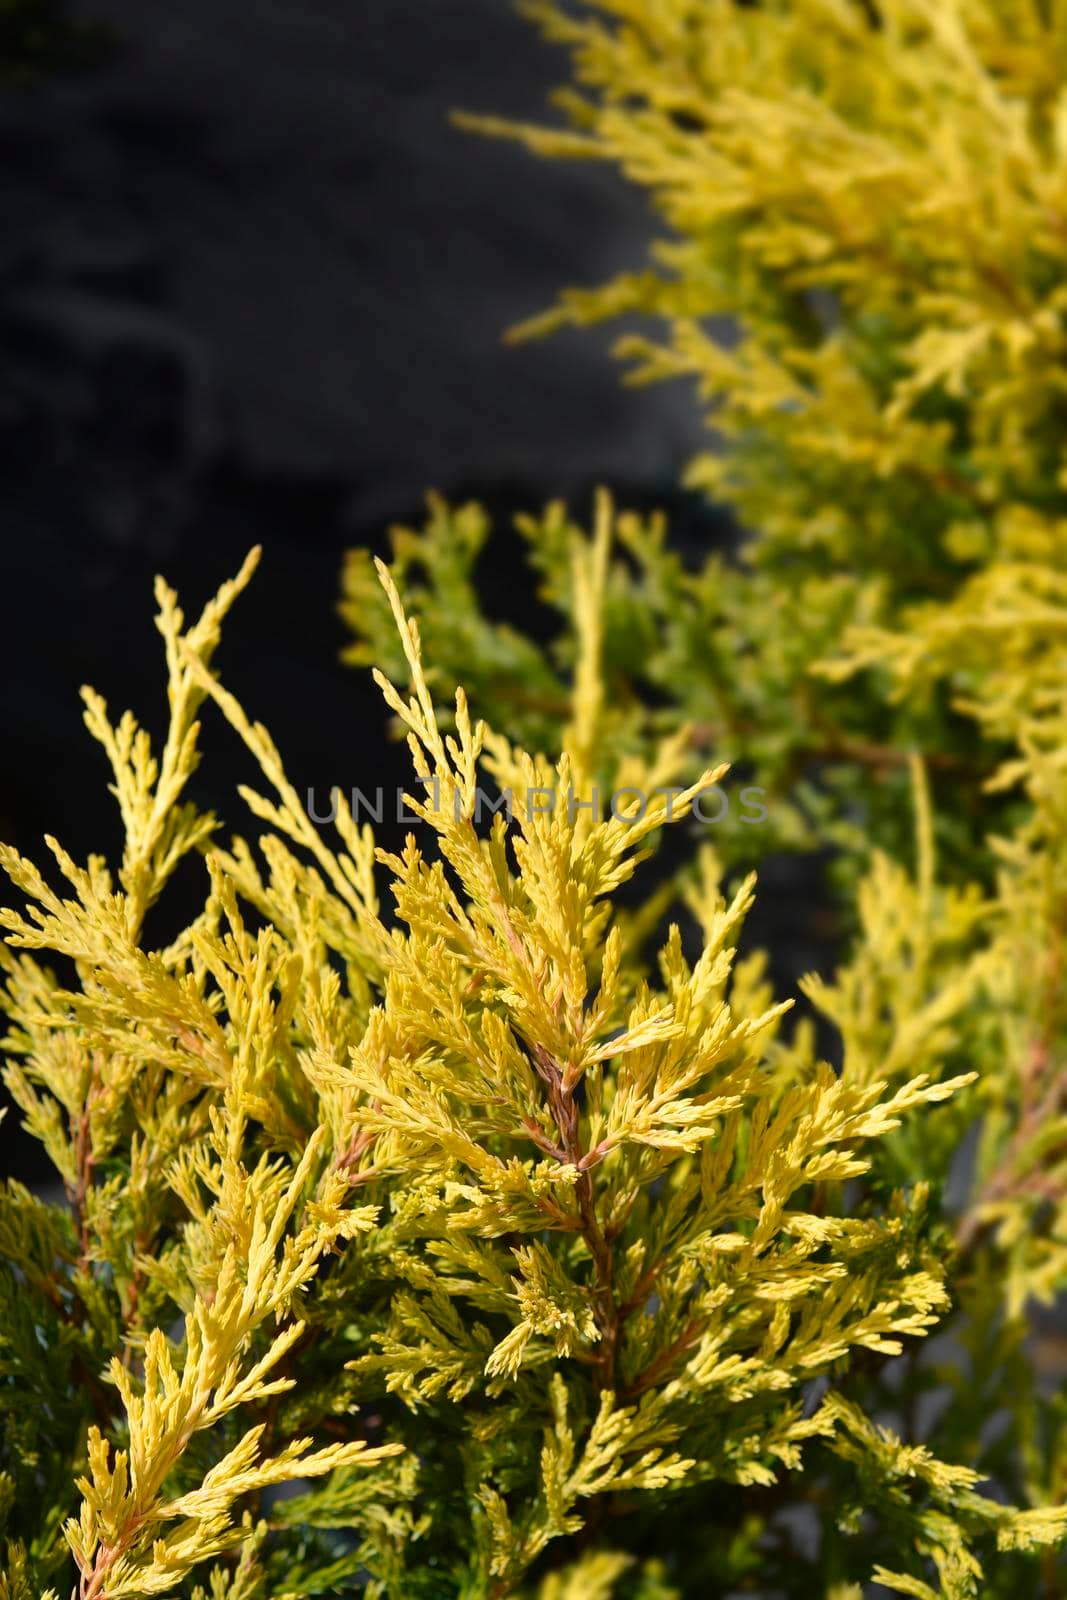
(874, 192)
(473, 1220)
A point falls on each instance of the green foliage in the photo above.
(490, 1236)
(872, 191)
(471, 1220)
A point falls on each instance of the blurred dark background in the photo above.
(253, 288)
